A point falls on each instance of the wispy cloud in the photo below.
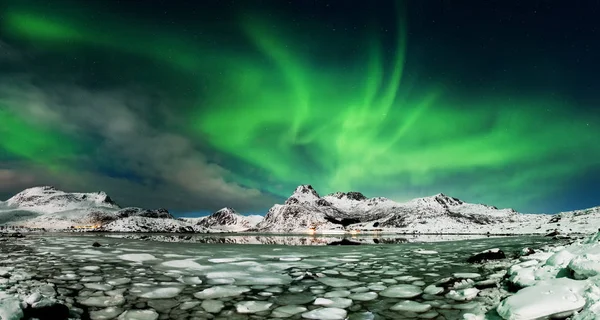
(112, 121)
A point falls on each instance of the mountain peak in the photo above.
(224, 211)
(441, 200)
(352, 195)
(306, 189)
(303, 193)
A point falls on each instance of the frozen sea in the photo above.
(256, 276)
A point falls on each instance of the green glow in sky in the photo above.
(33, 142)
(281, 116)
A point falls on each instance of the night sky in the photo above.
(197, 105)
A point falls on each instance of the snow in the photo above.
(226, 219)
(549, 298)
(305, 211)
(548, 293)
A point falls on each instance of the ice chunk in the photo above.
(188, 305)
(556, 298)
(137, 257)
(401, 291)
(412, 306)
(190, 280)
(326, 314)
(290, 258)
(102, 301)
(106, 313)
(185, 264)
(334, 302)
(287, 311)
(252, 306)
(98, 286)
(157, 292)
(466, 275)
(148, 314)
(585, 266)
(118, 281)
(560, 259)
(337, 294)
(423, 251)
(212, 306)
(363, 296)
(220, 292)
(433, 290)
(462, 294)
(90, 268)
(10, 308)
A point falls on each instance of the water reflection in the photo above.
(289, 239)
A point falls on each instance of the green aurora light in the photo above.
(284, 117)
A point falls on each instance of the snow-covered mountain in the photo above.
(227, 219)
(47, 207)
(306, 211)
(48, 199)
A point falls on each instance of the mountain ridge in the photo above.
(304, 211)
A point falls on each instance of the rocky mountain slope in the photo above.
(226, 219)
(306, 211)
(47, 207)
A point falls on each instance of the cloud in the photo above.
(116, 130)
(10, 179)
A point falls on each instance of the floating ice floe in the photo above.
(333, 302)
(185, 264)
(423, 251)
(338, 282)
(137, 257)
(412, 306)
(10, 308)
(287, 311)
(102, 301)
(106, 313)
(462, 294)
(157, 292)
(221, 292)
(139, 315)
(401, 291)
(326, 314)
(556, 298)
(212, 306)
(252, 306)
(363, 296)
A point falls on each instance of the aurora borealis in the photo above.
(195, 106)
